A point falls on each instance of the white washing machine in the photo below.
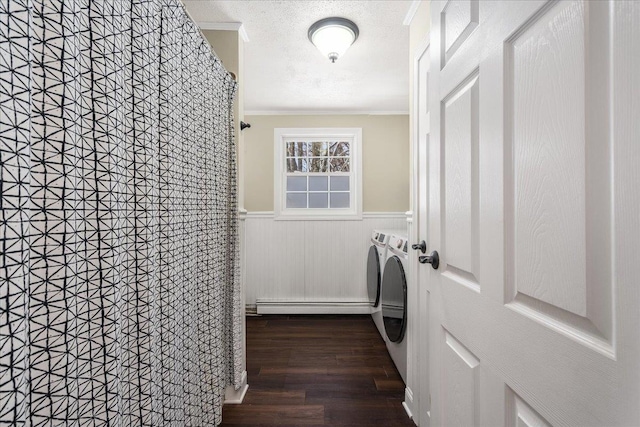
(393, 300)
(375, 268)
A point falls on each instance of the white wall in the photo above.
(310, 266)
(385, 157)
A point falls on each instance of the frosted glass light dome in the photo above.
(333, 36)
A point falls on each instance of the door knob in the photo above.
(433, 258)
(422, 246)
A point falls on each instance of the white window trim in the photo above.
(279, 207)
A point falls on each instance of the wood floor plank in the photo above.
(294, 370)
(354, 414)
(316, 370)
(385, 384)
(363, 360)
(275, 414)
(357, 370)
(275, 397)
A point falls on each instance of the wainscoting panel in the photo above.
(275, 258)
(310, 266)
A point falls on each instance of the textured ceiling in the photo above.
(284, 72)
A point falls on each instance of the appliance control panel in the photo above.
(399, 244)
(379, 238)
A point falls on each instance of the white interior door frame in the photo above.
(419, 352)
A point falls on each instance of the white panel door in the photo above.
(533, 206)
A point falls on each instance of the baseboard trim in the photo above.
(233, 396)
(408, 402)
(275, 306)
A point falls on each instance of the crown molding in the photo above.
(413, 8)
(225, 26)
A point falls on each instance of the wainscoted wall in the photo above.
(310, 266)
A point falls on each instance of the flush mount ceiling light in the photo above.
(333, 36)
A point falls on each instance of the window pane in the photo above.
(339, 149)
(297, 165)
(339, 183)
(296, 149)
(296, 200)
(318, 165)
(318, 200)
(318, 149)
(340, 165)
(318, 183)
(340, 200)
(296, 183)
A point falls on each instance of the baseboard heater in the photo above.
(306, 306)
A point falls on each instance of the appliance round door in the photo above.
(373, 276)
(394, 299)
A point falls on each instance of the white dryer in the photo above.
(393, 299)
(376, 259)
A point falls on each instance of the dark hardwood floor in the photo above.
(318, 371)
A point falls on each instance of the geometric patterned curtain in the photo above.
(119, 292)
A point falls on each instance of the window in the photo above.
(318, 173)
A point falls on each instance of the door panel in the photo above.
(520, 414)
(527, 321)
(547, 85)
(459, 19)
(460, 385)
(560, 235)
(460, 185)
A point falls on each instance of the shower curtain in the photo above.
(119, 293)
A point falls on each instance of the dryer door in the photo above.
(373, 276)
(394, 299)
